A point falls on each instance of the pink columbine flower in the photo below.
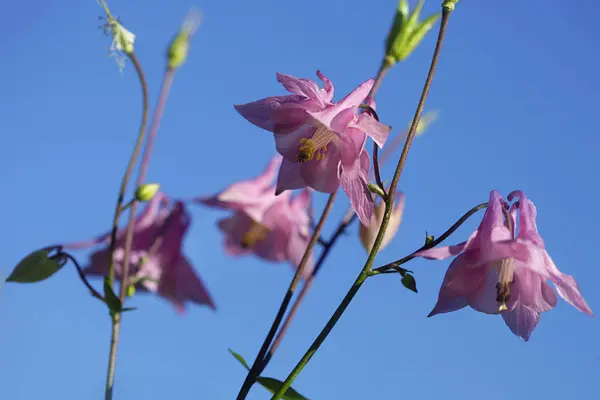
(498, 272)
(278, 232)
(368, 234)
(157, 262)
(322, 142)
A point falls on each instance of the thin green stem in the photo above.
(364, 273)
(258, 365)
(115, 225)
(385, 268)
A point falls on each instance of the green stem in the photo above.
(116, 319)
(259, 365)
(364, 273)
(433, 243)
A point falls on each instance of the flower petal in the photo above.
(533, 291)
(289, 177)
(271, 111)
(322, 175)
(521, 320)
(300, 86)
(527, 218)
(567, 287)
(327, 91)
(354, 182)
(373, 128)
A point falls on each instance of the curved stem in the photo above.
(129, 170)
(258, 365)
(83, 278)
(433, 243)
(158, 112)
(364, 273)
(116, 319)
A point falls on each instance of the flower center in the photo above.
(317, 144)
(254, 234)
(506, 272)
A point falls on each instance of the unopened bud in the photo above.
(368, 234)
(449, 4)
(374, 188)
(146, 192)
(178, 50)
(130, 291)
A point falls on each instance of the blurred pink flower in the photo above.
(274, 228)
(496, 272)
(277, 232)
(157, 263)
(322, 142)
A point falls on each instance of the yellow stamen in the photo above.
(317, 144)
(506, 271)
(255, 233)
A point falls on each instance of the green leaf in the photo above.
(128, 309)
(113, 302)
(409, 282)
(273, 385)
(240, 359)
(36, 267)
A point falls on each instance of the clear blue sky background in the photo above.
(518, 93)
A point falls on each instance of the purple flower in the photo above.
(322, 142)
(498, 272)
(157, 263)
(274, 228)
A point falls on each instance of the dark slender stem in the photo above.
(83, 278)
(132, 160)
(387, 214)
(116, 318)
(158, 112)
(385, 268)
(258, 365)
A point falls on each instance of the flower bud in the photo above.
(178, 49)
(406, 32)
(367, 234)
(130, 291)
(146, 192)
(449, 4)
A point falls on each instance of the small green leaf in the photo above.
(128, 309)
(112, 300)
(240, 359)
(273, 385)
(429, 239)
(374, 188)
(36, 267)
(409, 282)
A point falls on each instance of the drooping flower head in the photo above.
(273, 228)
(156, 263)
(499, 271)
(322, 142)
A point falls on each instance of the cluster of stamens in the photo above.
(307, 151)
(316, 146)
(505, 279)
(256, 233)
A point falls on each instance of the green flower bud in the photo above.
(146, 192)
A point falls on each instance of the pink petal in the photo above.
(354, 182)
(300, 86)
(270, 111)
(296, 248)
(533, 291)
(567, 287)
(288, 144)
(521, 320)
(190, 286)
(357, 96)
(322, 175)
(442, 252)
(484, 298)
(327, 91)
(289, 177)
(373, 128)
(448, 304)
(527, 218)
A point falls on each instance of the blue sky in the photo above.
(518, 93)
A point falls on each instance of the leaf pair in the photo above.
(271, 384)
